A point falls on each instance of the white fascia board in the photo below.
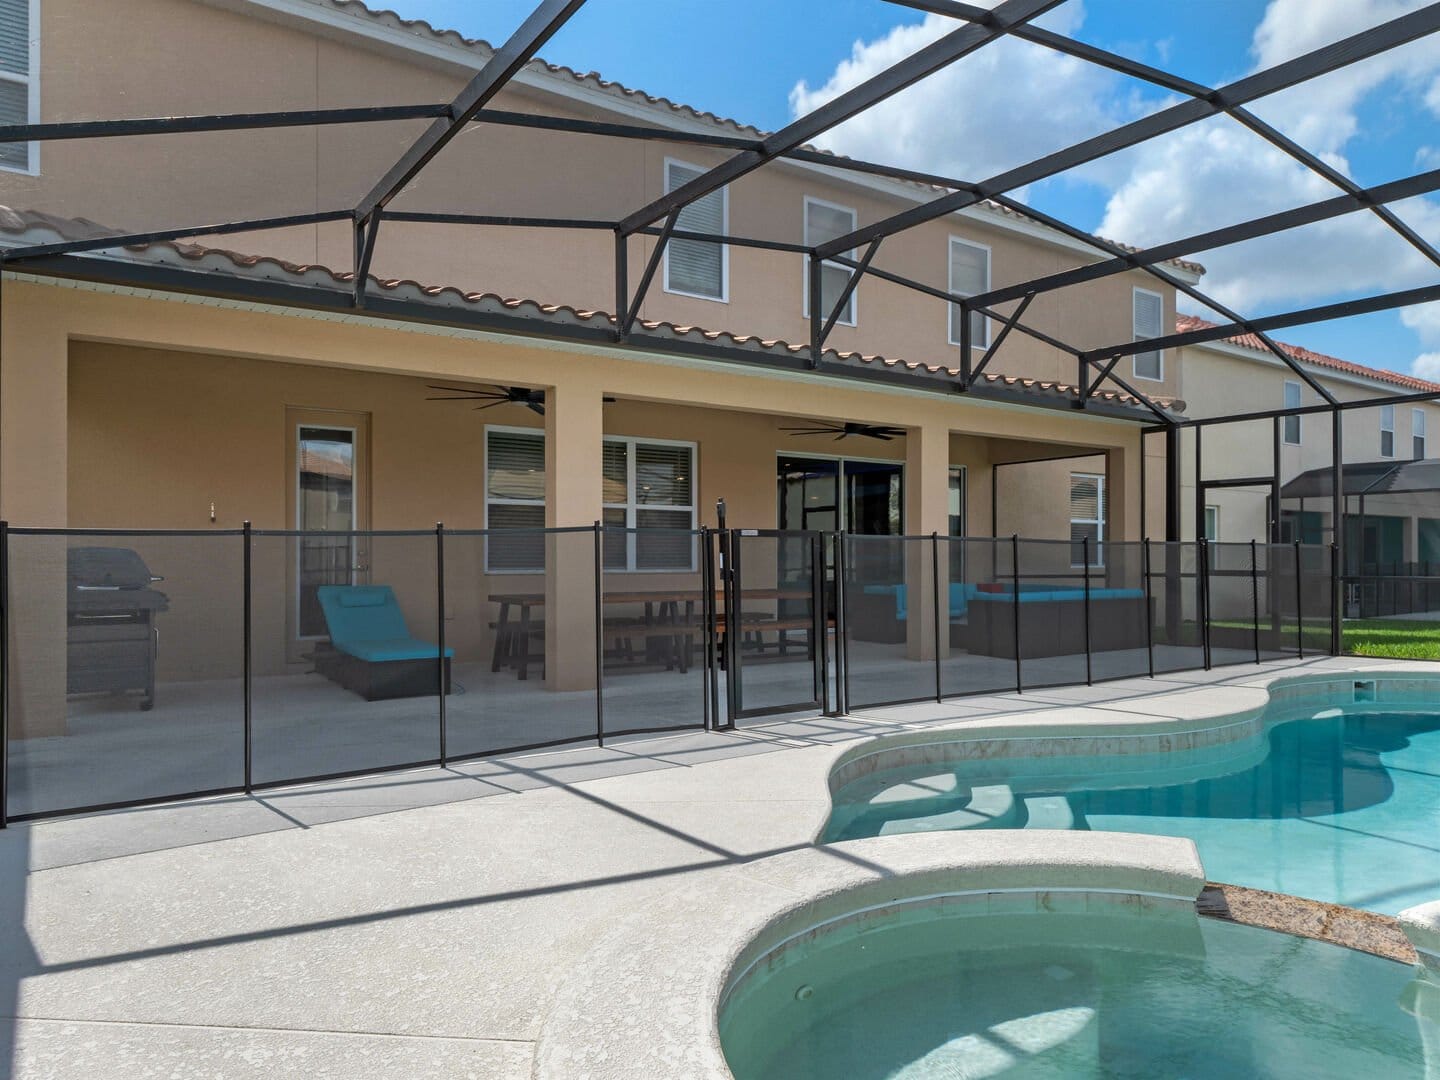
(1322, 373)
(460, 58)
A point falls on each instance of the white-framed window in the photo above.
(1087, 518)
(1290, 425)
(649, 489)
(648, 485)
(695, 267)
(1212, 523)
(823, 222)
(969, 274)
(20, 79)
(1148, 311)
(1417, 434)
(1387, 431)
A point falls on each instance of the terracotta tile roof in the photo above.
(594, 80)
(1185, 323)
(31, 227)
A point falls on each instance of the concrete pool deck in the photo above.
(413, 924)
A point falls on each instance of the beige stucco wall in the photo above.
(183, 56)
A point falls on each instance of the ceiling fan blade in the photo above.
(882, 438)
(457, 389)
(466, 397)
(481, 408)
(535, 407)
(841, 435)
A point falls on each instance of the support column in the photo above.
(574, 431)
(927, 510)
(34, 421)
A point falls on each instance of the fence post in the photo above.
(1299, 609)
(705, 622)
(247, 671)
(1337, 603)
(820, 624)
(935, 599)
(842, 625)
(1202, 551)
(1085, 570)
(1015, 606)
(1255, 598)
(4, 672)
(443, 668)
(599, 635)
(1149, 613)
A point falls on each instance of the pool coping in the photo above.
(645, 1001)
(1180, 720)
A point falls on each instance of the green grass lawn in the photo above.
(1373, 637)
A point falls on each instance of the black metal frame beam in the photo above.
(172, 125)
(1267, 225)
(1332, 57)
(504, 63)
(1174, 83)
(1304, 317)
(122, 240)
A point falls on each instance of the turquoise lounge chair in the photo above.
(372, 651)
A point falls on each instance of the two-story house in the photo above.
(1388, 524)
(223, 378)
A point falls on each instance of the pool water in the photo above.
(1046, 996)
(1340, 807)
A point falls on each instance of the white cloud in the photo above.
(1427, 366)
(1201, 177)
(949, 122)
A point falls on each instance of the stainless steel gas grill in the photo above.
(111, 637)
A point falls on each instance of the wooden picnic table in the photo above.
(662, 612)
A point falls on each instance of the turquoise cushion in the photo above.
(366, 622)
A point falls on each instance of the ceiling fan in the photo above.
(845, 430)
(490, 396)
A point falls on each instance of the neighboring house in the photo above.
(1398, 527)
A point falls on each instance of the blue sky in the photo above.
(1377, 125)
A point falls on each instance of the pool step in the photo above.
(989, 807)
(924, 787)
(1049, 812)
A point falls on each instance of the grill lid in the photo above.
(105, 568)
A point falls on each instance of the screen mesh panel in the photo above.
(1051, 612)
(1119, 613)
(981, 657)
(889, 620)
(655, 634)
(123, 688)
(524, 640)
(345, 647)
(1175, 607)
(773, 645)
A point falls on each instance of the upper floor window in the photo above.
(697, 267)
(1387, 430)
(969, 274)
(1148, 310)
(1417, 433)
(1290, 425)
(825, 221)
(19, 79)
(1212, 523)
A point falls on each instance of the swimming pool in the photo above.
(1342, 805)
(927, 996)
